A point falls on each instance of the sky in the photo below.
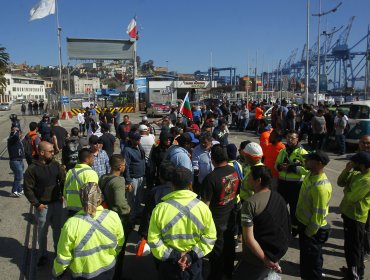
(191, 35)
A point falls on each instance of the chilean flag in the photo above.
(131, 29)
(185, 108)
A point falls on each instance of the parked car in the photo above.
(5, 106)
(154, 110)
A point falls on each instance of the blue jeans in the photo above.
(17, 167)
(52, 216)
(341, 142)
(135, 198)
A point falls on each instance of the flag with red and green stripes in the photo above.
(185, 108)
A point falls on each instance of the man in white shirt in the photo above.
(147, 140)
(81, 122)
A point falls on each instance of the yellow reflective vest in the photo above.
(296, 155)
(89, 246)
(246, 191)
(356, 201)
(313, 202)
(181, 223)
(75, 178)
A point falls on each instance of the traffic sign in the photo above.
(64, 100)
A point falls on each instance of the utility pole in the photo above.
(307, 52)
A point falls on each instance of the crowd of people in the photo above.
(33, 107)
(190, 192)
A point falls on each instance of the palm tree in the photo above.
(4, 60)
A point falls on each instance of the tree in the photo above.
(4, 61)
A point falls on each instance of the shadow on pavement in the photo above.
(289, 268)
(4, 184)
(7, 194)
(28, 217)
(10, 248)
(336, 273)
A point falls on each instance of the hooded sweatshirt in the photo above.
(179, 156)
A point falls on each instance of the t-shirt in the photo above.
(272, 151)
(252, 207)
(147, 142)
(318, 125)
(259, 113)
(219, 188)
(61, 134)
(108, 143)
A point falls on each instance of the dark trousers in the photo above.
(169, 270)
(127, 228)
(341, 143)
(318, 141)
(367, 235)
(222, 257)
(290, 192)
(354, 235)
(310, 254)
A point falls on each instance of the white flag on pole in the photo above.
(42, 9)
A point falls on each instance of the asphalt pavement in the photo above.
(18, 230)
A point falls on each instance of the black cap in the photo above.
(319, 156)
(184, 138)
(361, 158)
(134, 136)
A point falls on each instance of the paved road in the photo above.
(17, 243)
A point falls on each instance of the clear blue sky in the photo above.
(184, 33)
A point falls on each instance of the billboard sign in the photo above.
(323, 84)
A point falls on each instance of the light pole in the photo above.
(168, 71)
(307, 51)
(319, 15)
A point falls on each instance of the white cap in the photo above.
(253, 150)
(143, 127)
(145, 118)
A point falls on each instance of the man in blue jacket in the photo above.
(16, 155)
(134, 175)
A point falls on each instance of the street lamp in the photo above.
(307, 50)
(167, 66)
(319, 15)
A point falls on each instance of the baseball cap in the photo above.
(184, 138)
(134, 136)
(194, 126)
(193, 139)
(319, 156)
(144, 118)
(253, 150)
(143, 127)
(361, 158)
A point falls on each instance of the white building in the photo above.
(88, 85)
(23, 88)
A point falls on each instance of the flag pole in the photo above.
(183, 102)
(59, 30)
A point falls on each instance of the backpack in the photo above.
(72, 148)
(27, 143)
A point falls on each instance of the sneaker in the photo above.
(42, 261)
(14, 194)
(21, 193)
(236, 243)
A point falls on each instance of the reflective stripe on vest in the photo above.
(75, 176)
(183, 211)
(95, 225)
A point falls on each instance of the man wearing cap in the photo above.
(91, 240)
(144, 121)
(181, 230)
(194, 128)
(221, 133)
(123, 131)
(179, 154)
(355, 205)
(311, 213)
(134, 174)
(289, 163)
(101, 159)
(252, 155)
(147, 140)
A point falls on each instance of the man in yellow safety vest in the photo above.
(181, 230)
(90, 240)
